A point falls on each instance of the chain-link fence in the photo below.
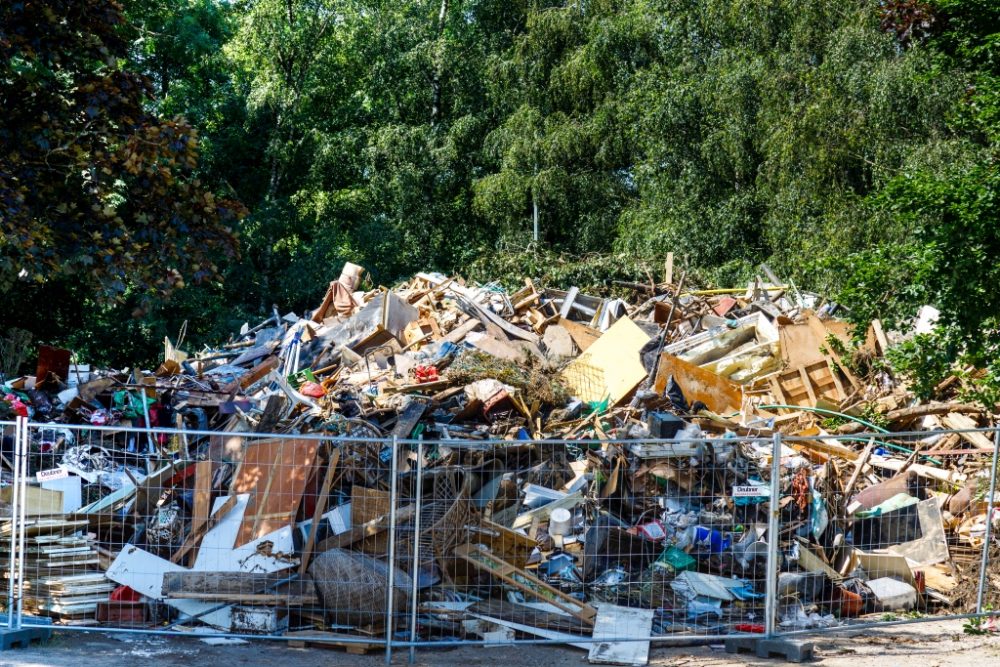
(384, 544)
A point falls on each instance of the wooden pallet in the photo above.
(331, 640)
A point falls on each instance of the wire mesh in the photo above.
(8, 513)
(600, 544)
(885, 528)
(225, 533)
(376, 543)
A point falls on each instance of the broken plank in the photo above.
(524, 582)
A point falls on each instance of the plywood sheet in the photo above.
(274, 473)
(718, 393)
(611, 367)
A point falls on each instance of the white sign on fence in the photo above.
(749, 491)
(51, 474)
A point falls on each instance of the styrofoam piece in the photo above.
(72, 491)
(560, 522)
(893, 594)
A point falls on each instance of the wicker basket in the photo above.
(353, 587)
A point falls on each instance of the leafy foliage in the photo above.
(852, 146)
(94, 187)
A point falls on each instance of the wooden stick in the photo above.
(320, 508)
(202, 498)
(194, 537)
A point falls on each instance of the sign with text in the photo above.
(51, 474)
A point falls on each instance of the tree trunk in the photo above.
(436, 79)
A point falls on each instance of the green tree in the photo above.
(93, 186)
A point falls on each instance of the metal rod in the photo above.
(23, 454)
(414, 591)
(393, 472)
(989, 524)
(771, 593)
(151, 447)
(12, 565)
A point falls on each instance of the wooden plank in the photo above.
(524, 582)
(202, 499)
(39, 501)
(267, 493)
(373, 527)
(194, 537)
(321, 501)
(958, 422)
(254, 375)
(408, 418)
(227, 583)
(807, 383)
(323, 639)
(581, 334)
(275, 474)
(835, 376)
(239, 588)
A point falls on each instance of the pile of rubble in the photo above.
(550, 505)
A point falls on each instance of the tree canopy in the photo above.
(851, 146)
(94, 186)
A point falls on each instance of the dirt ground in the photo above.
(938, 644)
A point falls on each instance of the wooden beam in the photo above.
(202, 500)
(194, 538)
(324, 492)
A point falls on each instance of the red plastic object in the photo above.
(125, 594)
(425, 374)
(851, 604)
(312, 389)
(750, 627)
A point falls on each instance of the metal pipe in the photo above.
(23, 454)
(393, 472)
(12, 565)
(771, 590)
(989, 524)
(414, 591)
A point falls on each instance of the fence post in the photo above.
(773, 528)
(21, 492)
(14, 511)
(415, 572)
(989, 524)
(390, 606)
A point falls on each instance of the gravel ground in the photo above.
(937, 644)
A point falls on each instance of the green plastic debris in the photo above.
(303, 376)
(675, 559)
(128, 403)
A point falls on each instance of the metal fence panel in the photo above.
(896, 531)
(388, 544)
(171, 531)
(10, 445)
(597, 544)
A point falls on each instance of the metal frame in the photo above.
(23, 430)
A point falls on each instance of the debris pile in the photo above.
(593, 467)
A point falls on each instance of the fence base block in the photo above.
(791, 651)
(23, 637)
